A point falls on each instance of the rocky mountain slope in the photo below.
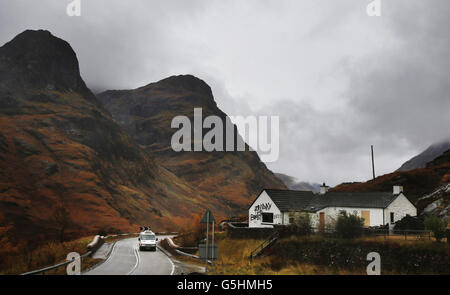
(230, 180)
(61, 150)
(437, 202)
(293, 184)
(431, 153)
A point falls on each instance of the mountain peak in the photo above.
(36, 59)
(431, 153)
(187, 83)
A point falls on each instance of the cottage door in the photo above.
(322, 221)
(366, 216)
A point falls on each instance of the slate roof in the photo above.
(287, 200)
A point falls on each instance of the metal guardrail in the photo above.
(176, 248)
(189, 255)
(43, 270)
(233, 224)
(92, 247)
(186, 254)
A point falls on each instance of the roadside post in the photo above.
(207, 238)
(208, 251)
(212, 248)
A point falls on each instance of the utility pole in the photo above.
(373, 163)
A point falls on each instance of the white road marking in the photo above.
(170, 260)
(135, 251)
(173, 265)
(110, 254)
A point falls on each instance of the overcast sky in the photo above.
(338, 79)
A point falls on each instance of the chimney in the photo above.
(398, 189)
(323, 189)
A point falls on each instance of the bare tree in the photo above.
(61, 221)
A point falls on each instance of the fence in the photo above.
(411, 235)
(239, 231)
(385, 233)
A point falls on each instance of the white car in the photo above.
(147, 240)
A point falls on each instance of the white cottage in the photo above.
(273, 207)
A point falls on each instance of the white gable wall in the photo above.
(263, 204)
(401, 207)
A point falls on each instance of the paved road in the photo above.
(126, 259)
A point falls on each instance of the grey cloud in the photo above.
(339, 80)
(397, 99)
(405, 93)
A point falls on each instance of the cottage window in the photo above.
(392, 217)
(291, 220)
(267, 217)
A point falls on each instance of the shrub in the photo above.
(409, 223)
(192, 233)
(437, 225)
(303, 223)
(349, 226)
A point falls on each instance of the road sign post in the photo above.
(208, 218)
(212, 251)
(207, 238)
(212, 242)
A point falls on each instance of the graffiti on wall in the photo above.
(263, 207)
(259, 209)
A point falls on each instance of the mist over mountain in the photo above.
(431, 153)
(293, 183)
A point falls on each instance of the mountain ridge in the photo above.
(60, 148)
(146, 114)
(429, 154)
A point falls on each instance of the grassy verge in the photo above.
(22, 260)
(233, 260)
(318, 255)
(397, 257)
